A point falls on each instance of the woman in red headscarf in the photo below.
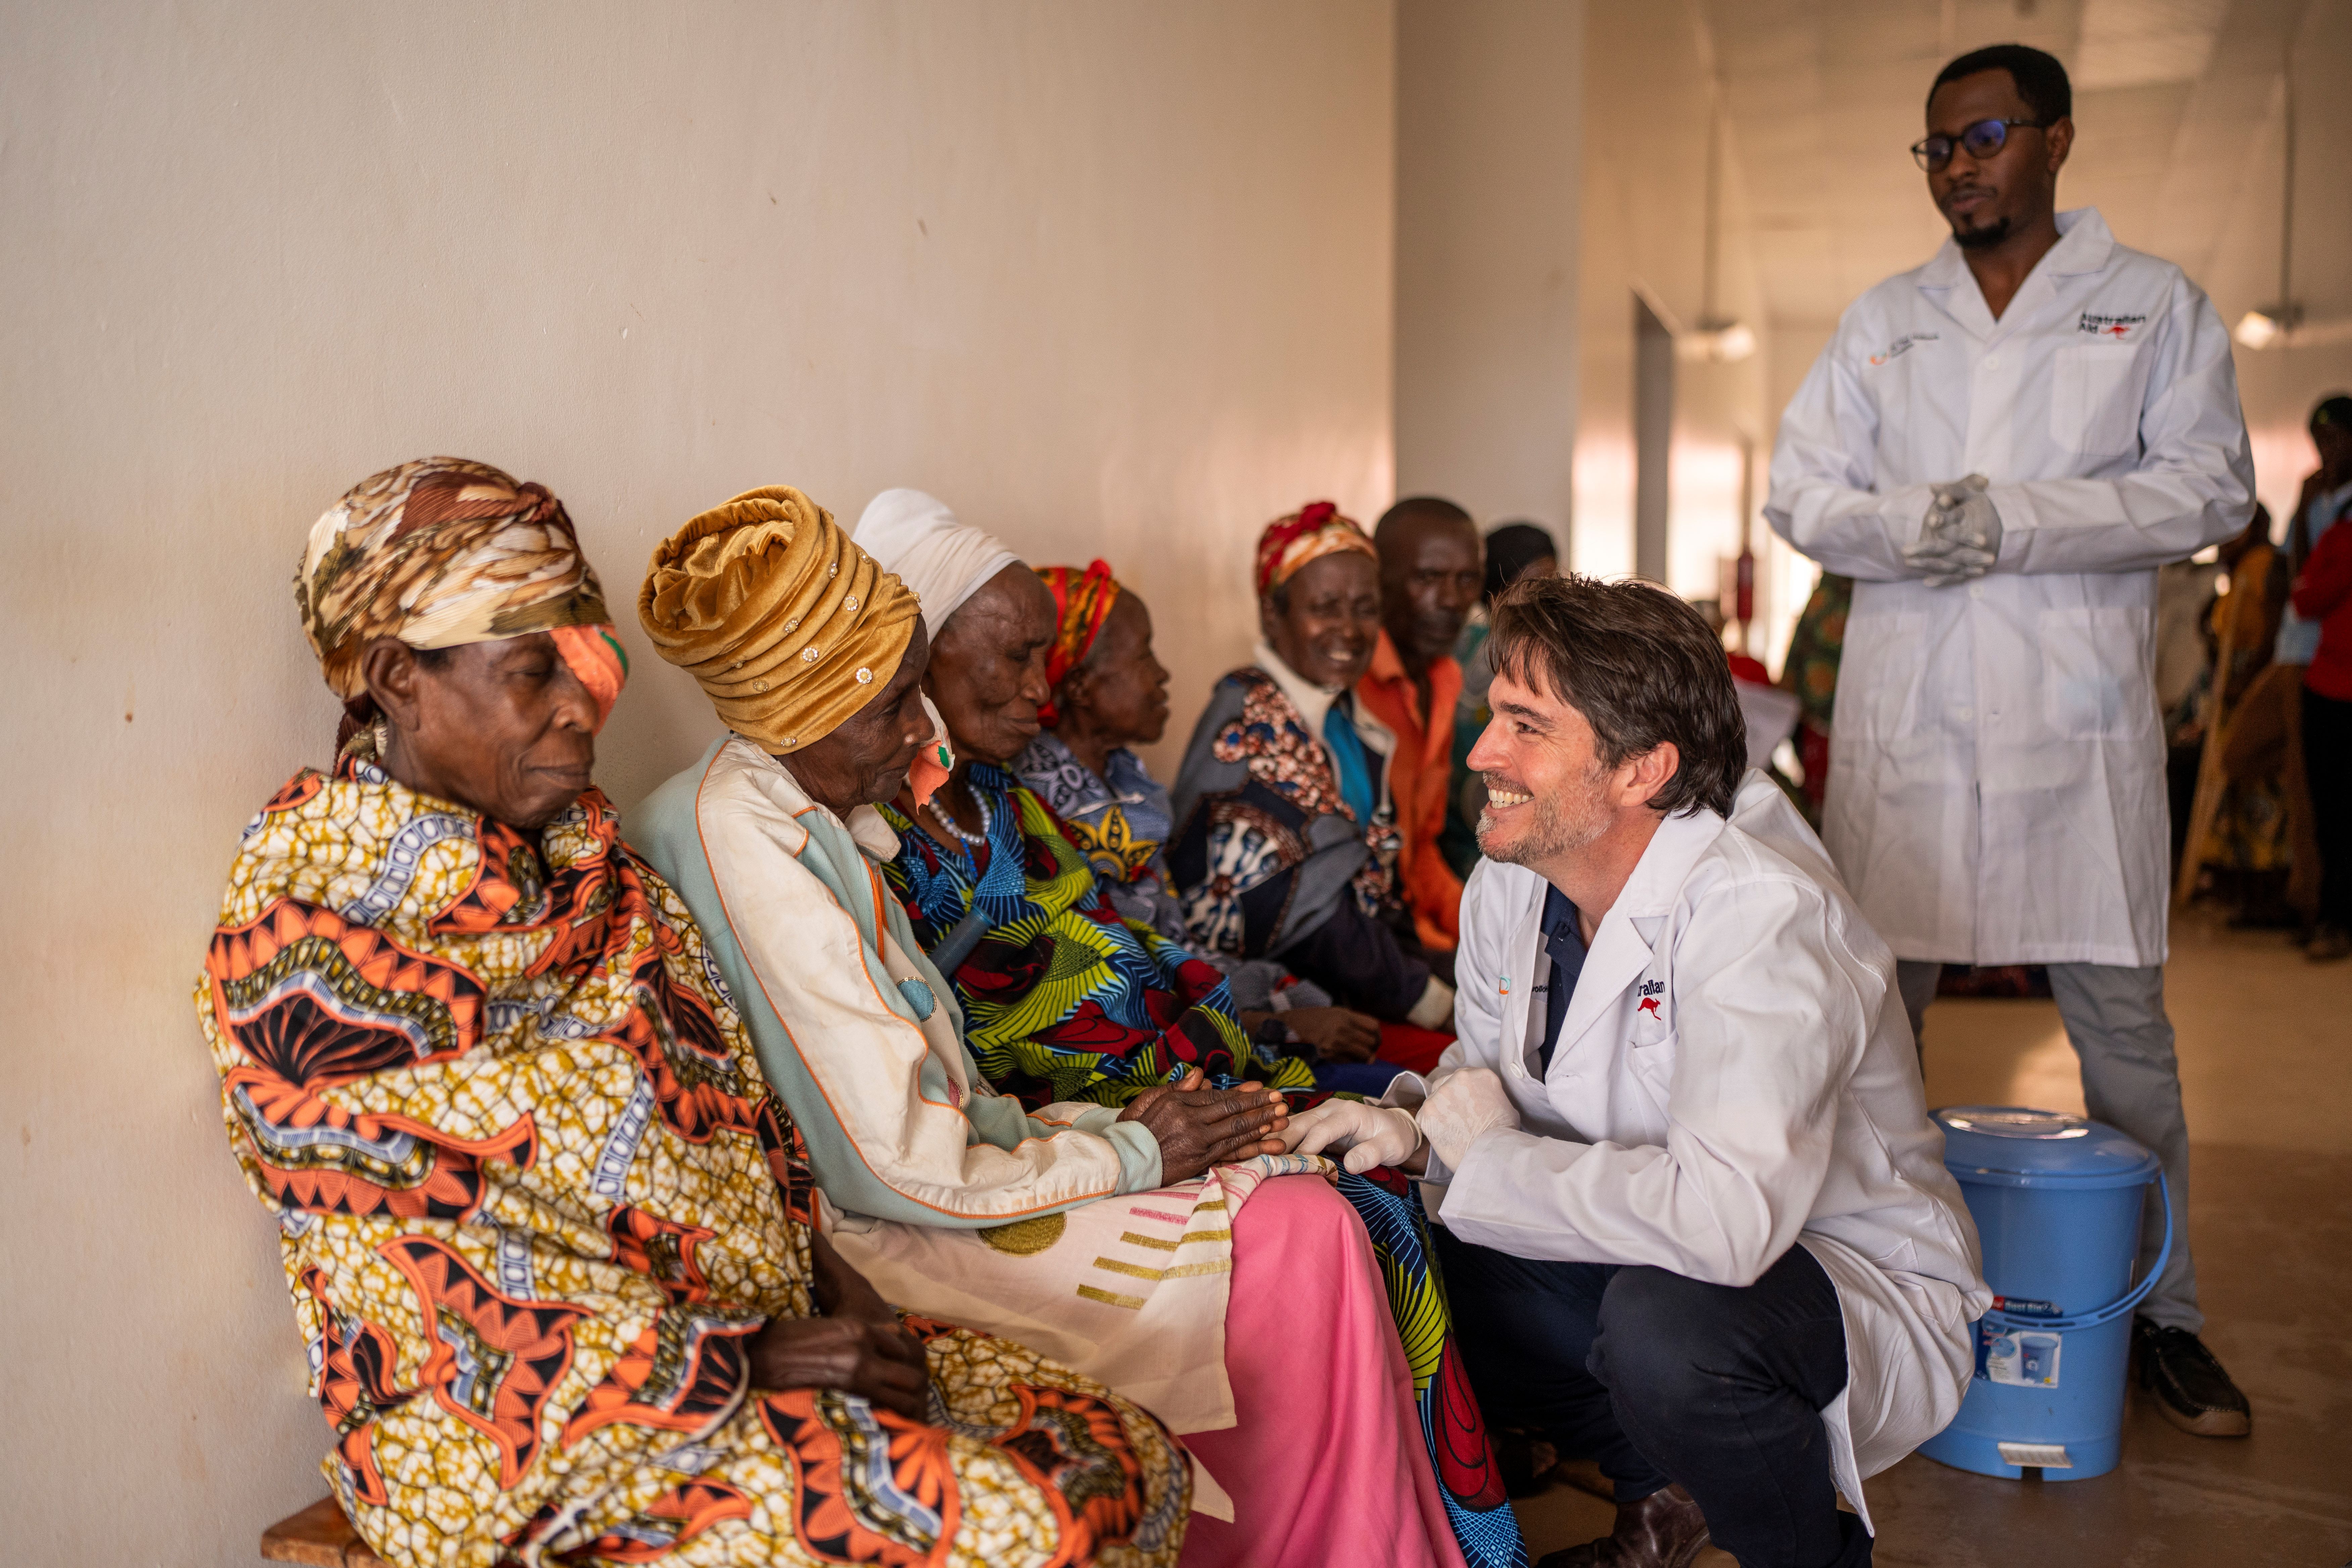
(1286, 840)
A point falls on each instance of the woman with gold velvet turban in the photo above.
(547, 1229)
(1024, 1215)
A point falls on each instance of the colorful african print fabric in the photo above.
(1811, 671)
(534, 1200)
(1469, 1476)
(1270, 861)
(1254, 823)
(1064, 998)
(1118, 820)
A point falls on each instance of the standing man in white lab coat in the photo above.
(2002, 445)
(1694, 1223)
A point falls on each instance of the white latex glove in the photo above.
(1959, 539)
(1468, 1105)
(1372, 1135)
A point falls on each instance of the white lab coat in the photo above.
(1770, 1097)
(1996, 789)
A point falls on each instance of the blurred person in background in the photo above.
(1811, 674)
(1514, 551)
(2000, 446)
(2323, 599)
(2245, 848)
(2273, 711)
(1429, 581)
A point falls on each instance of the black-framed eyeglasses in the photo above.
(1979, 140)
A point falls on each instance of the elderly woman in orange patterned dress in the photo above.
(545, 1228)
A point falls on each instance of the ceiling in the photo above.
(1821, 97)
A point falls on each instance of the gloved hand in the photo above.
(1960, 537)
(1467, 1105)
(1372, 1135)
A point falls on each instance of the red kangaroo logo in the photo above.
(1649, 1005)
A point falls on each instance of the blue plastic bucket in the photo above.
(2056, 1200)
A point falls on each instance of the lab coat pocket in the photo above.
(1653, 1063)
(2095, 398)
(1892, 646)
(2082, 649)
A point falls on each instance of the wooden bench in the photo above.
(321, 1537)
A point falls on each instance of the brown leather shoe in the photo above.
(1664, 1529)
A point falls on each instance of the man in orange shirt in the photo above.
(1432, 569)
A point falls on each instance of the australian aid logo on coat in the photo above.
(2110, 328)
(1904, 345)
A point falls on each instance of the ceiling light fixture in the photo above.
(1717, 338)
(1716, 341)
(2269, 326)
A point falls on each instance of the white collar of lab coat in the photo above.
(2085, 245)
(1624, 943)
(1313, 701)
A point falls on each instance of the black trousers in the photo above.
(2327, 767)
(1661, 1378)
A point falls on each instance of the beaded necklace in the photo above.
(987, 818)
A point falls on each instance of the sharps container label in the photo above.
(2023, 1361)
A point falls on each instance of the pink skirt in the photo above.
(1326, 1463)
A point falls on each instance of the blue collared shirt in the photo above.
(1565, 941)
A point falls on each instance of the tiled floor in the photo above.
(2265, 1043)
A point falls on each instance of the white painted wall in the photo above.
(1489, 176)
(1646, 109)
(1112, 277)
(2279, 386)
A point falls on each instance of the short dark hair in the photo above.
(2335, 409)
(1435, 508)
(2041, 80)
(1643, 667)
(1511, 550)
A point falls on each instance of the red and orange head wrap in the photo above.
(1082, 602)
(1315, 531)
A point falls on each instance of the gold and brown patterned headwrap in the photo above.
(790, 627)
(440, 552)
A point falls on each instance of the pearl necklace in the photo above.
(987, 818)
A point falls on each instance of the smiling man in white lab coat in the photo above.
(2002, 446)
(1696, 1224)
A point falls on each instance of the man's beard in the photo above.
(1982, 239)
(1558, 827)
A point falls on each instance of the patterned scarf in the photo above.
(1316, 530)
(1082, 602)
(444, 552)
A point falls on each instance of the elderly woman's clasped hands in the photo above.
(1198, 1127)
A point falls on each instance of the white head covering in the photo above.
(943, 561)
